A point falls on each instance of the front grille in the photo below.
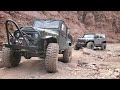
(81, 41)
(32, 34)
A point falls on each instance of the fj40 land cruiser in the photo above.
(45, 39)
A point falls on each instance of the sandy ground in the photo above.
(86, 64)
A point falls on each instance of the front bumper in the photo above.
(80, 44)
(30, 48)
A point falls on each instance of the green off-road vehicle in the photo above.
(45, 39)
(91, 40)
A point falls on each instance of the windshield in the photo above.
(46, 24)
(89, 36)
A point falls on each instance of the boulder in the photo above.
(87, 51)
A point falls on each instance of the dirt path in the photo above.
(85, 65)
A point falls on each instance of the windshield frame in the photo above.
(39, 20)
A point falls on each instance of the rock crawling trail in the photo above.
(86, 64)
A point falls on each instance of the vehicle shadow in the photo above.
(29, 66)
(99, 49)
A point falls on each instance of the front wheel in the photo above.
(76, 47)
(10, 58)
(90, 45)
(103, 46)
(51, 59)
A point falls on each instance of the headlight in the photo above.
(16, 34)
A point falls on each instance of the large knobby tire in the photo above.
(75, 47)
(103, 46)
(90, 45)
(51, 59)
(10, 58)
(67, 55)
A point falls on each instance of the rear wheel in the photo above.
(67, 55)
(90, 45)
(51, 59)
(10, 58)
